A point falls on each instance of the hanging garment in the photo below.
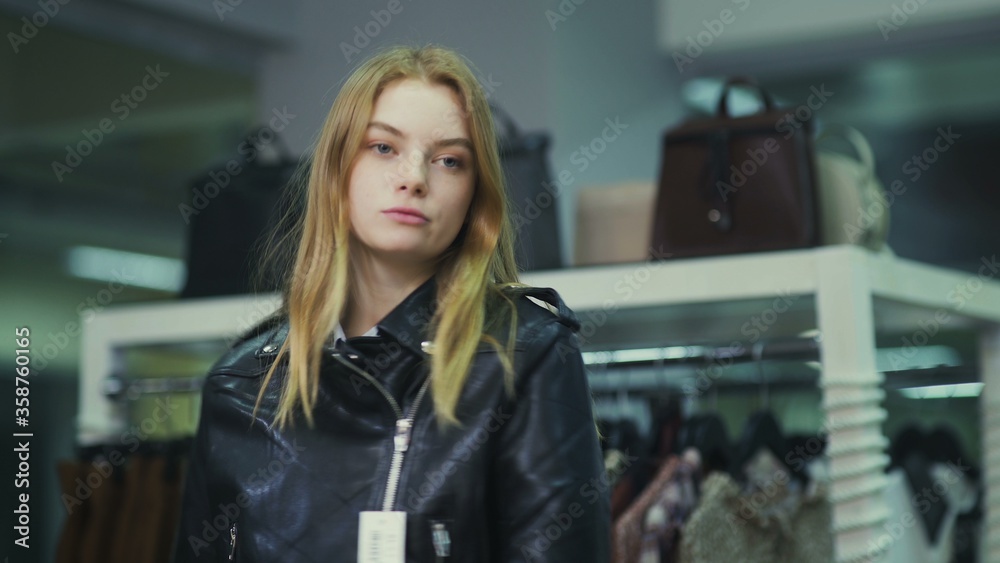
(648, 530)
(904, 539)
(643, 470)
(774, 522)
(149, 522)
(627, 530)
(123, 512)
(71, 539)
(103, 507)
(173, 491)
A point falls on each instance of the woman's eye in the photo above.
(451, 162)
(382, 148)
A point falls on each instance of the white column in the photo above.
(989, 359)
(852, 397)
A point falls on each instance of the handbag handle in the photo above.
(723, 109)
(508, 129)
(854, 138)
(277, 144)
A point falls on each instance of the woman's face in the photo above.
(413, 178)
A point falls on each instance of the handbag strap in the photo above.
(508, 129)
(723, 109)
(281, 154)
(854, 138)
(715, 173)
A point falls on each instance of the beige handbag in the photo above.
(613, 223)
(853, 207)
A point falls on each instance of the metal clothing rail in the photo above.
(120, 388)
(801, 348)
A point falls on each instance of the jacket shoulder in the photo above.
(537, 308)
(247, 355)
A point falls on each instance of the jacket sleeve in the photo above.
(551, 495)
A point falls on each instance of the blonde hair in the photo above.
(472, 273)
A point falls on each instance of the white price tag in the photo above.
(382, 537)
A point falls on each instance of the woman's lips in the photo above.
(406, 217)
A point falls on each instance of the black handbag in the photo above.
(732, 185)
(233, 208)
(524, 157)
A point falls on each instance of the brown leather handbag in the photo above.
(733, 185)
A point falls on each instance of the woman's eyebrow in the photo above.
(386, 127)
(457, 141)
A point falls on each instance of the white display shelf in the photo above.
(848, 293)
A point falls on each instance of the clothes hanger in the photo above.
(706, 433)
(762, 432)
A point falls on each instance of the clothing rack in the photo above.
(804, 349)
(119, 388)
(801, 348)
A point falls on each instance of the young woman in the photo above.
(410, 401)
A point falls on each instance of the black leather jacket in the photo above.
(521, 480)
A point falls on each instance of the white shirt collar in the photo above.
(338, 333)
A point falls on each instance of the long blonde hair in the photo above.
(471, 274)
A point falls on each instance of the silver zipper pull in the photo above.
(402, 438)
(232, 541)
(441, 540)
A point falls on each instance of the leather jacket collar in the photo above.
(408, 323)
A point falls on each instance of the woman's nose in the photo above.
(413, 174)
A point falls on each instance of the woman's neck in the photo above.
(377, 291)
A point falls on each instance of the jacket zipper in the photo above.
(401, 440)
(232, 541)
(441, 541)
